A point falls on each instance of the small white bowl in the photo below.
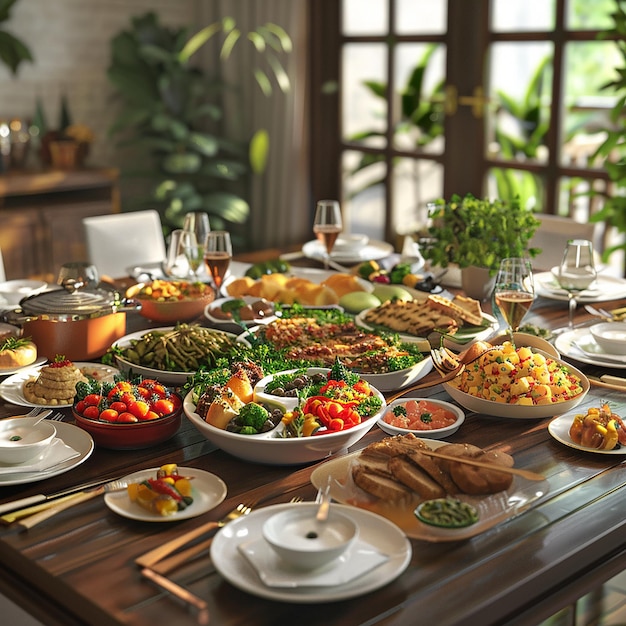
(610, 336)
(22, 440)
(350, 243)
(303, 542)
(436, 433)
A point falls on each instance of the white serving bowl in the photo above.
(526, 339)
(33, 439)
(610, 336)
(270, 449)
(436, 433)
(303, 542)
(517, 411)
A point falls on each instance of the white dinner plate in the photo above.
(604, 288)
(14, 370)
(72, 436)
(208, 490)
(373, 529)
(11, 387)
(559, 429)
(372, 251)
(590, 351)
(492, 509)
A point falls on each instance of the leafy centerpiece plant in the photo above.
(473, 232)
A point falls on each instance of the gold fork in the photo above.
(149, 559)
(166, 565)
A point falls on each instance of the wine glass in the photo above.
(576, 272)
(327, 225)
(514, 291)
(218, 252)
(197, 222)
(193, 250)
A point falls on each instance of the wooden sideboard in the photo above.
(41, 217)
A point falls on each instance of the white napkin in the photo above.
(359, 559)
(58, 452)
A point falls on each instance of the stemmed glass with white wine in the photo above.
(327, 226)
(196, 223)
(576, 272)
(218, 252)
(514, 291)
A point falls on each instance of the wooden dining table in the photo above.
(79, 566)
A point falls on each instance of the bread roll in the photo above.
(17, 353)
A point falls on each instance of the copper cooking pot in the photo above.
(78, 323)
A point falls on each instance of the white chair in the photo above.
(553, 234)
(119, 241)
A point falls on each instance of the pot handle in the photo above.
(128, 305)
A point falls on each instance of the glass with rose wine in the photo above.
(327, 226)
(218, 252)
(514, 291)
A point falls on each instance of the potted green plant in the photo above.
(478, 233)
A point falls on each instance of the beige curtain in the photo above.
(279, 197)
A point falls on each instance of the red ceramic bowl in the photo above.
(134, 436)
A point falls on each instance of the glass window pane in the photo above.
(588, 65)
(416, 182)
(420, 72)
(421, 16)
(520, 88)
(589, 14)
(363, 93)
(363, 199)
(365, 17)
(508, 183)
(523, 15)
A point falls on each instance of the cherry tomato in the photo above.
(138, 408)
(93, 399)
(151, 415)
(143, 392)
(127, 417)
(163, 406)
(80, 406)
(109, 415)
(91, 412)
(120, 407)
(127, 398)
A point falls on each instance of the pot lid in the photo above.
(84, 303)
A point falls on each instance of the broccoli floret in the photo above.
(340, 372)
(253, 415)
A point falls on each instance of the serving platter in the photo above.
(163, 376)
(492, 509)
